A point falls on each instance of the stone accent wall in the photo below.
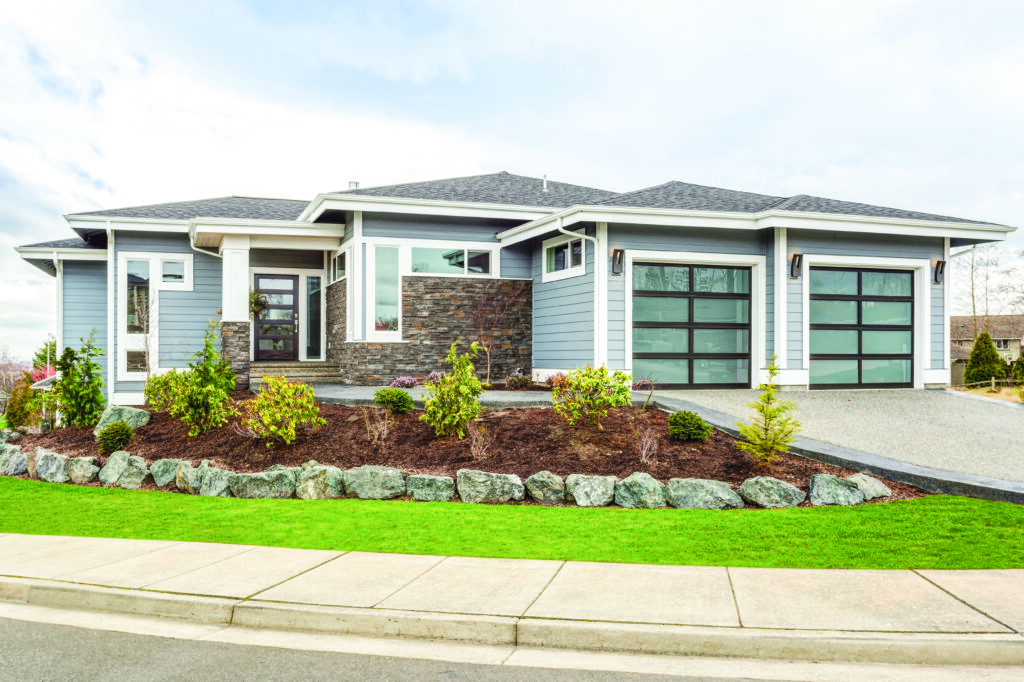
(234, 347)
(336, 306)
(435, 312)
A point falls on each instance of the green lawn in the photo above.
(932, 532)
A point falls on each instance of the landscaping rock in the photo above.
(771, 493)
(114, 467)
(829, 489)
(132, 416)
(189, 478)
(163, 471)
(311, 464)
(640, 491)
(50, 466)
(292, 471)
(481, 487)
(424, 488)
(320, 483)
(7, 435)
(590, 491)
(216, 483)
(12, 461)
(699, 493)
(372, 482)
(546, 487)
(869, 487)
(135, 473)
(82, 470)
(277, 484)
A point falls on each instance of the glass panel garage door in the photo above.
(861, 328)
(691, 325)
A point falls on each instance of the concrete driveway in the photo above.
(938, 429)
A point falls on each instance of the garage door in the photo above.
(691, 325)
(861, 328)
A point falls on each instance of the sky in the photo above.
(916, 105)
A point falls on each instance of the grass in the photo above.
(932, 532)
(1011, 395)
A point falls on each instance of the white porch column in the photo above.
(235, 279)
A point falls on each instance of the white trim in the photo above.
(111, 316)
(42, 253)
(757, 297)
(371, 333)
(946, 305)
(601, 265)
(364, 202)
(922, 302)
(781, 286)
(303, 311)
(793, 378)
(127, 398)
(185, 285)
(58, 266)
(571, 270)
(936, 377)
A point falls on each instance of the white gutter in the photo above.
(58, 269)
(111, 302)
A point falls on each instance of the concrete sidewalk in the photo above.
(916, 617)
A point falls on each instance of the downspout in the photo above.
(58, 331)
(560, 227)
(111, 319)
(192, 241)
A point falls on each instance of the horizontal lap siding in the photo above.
(563, 315)
(516, 261)
(85, 307)
(434, 227)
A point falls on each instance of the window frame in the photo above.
(571, 270)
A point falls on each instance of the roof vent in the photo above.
(545, 182)
(353, 184)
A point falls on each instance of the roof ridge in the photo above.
(185, 201)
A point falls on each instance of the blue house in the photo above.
(691, 286)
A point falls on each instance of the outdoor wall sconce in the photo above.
(940, 271)
(796, 265)
(618, 255)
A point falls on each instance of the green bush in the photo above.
(394, 400)
(1017, 369)
(209, 367)
(282, 406)
(588, 394)
(79, 391)
(688, 425)
(23, 408)
(773, 431)
(115, 436)
(451, 402)
(517, 380)
(161, 389)
(984, 363)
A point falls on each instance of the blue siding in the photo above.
(404, 226)
(563, 315)
(286, 258)
(85, 306)
(517, 261)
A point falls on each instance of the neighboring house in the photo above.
(1007, 332)
(692, 286)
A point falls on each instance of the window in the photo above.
(564, 257)
(174, 271)
(386, 289)
(338, 267)
(136, 361)
(1002, 344)
(137, 317)
(449, 261)
(314, 294)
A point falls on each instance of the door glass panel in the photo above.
(138, 297)
(886, 342)
(277, 344)
(833, 312)
(655, 309)
(836, 282)
(314, 292)
(661, 340)
(277, 329)
(833, 371)
(720, 310)
(885, 371)
(834, 341)
(720, 341)
(885, 312)
(721, 281)
(280, 299)
(720, 371)
(661, 278)
(136, 361)
(386, 294)
(173, 271)
(886, 283)
(279, 314)
(276, 284)
(662, 371)
(479, 262)
(439, 261)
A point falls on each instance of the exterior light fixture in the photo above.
(618, 256)
(796, 265)
(940, 271)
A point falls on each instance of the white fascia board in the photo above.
(90, 223)
(344, 202)
(37, 253)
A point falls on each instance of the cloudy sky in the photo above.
(917, 105)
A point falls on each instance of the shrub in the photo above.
(433, 377)
(394, 400)
(556, 380)
(480, 439)
(1017, 369)
(209, 367)
(378, 424)
(22, 405)
(115, 436)
(451, 402)
(771, 434)
(161, 389)
(984, 363)
(517, 380)
(405, 382)
(280, 408)
(688, 425)
(79, 391)
(588, 394)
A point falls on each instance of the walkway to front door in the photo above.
(277, 331)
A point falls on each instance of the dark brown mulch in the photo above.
(525, 441)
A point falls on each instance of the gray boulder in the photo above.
(82, 470)
(771, 493)
(279, 484)
(640, 491)
(590, 491)
(135, 473)
(12, 461)
(216, 483)
(372, 482)
(699, 493)
(546, 487)
(291, 471)
(8, 435)
(869, 487)
(476, 487)
(163, 471)
(113, 468)
(188, 478)
(320, 483)
(425, 488)
(50, 466)
(829, 489)
(132, 416)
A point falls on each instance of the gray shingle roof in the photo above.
(811, 204)
(72, 243)
(685, 196)
(997, 326)
(496, 188)
(224, 207)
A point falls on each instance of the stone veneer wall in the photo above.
(435, 312)
(234, 347)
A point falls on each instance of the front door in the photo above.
(277, 331)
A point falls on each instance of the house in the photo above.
(1007, 332)
(692, 286)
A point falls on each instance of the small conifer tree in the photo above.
(984, 363)
(1018, 369)
(773, 430)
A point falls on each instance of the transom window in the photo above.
(338, 267)
(442, 261)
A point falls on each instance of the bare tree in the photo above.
(10, 369)
(980, 280)
(1011, 286)
(490, 308)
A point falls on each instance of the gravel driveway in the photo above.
(936, 429)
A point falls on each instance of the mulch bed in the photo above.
(525, 441)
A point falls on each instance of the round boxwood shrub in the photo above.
(687, 425)
(394, 400)
(115, 436)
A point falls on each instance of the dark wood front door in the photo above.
(277, 331)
